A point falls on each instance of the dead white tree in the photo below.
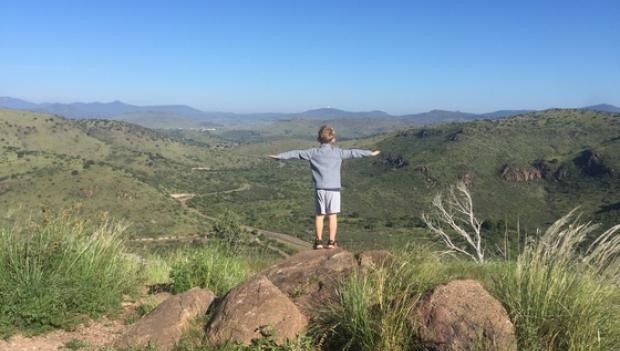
(452, 217)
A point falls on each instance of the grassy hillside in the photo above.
(349, 128)
(94, 166)
(571, 155)
(531, 168)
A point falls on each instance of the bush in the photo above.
(228, 230)
(53, 273)
(212, 267)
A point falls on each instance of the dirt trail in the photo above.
(243, 187)
(94, 336)
(98, 334)
(283, 238)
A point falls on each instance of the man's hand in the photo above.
(273, 157)
(376, 152)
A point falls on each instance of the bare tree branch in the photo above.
(453, 217)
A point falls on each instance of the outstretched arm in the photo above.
(293, 154)
(357, 153)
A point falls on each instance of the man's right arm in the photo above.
(293, 154)
(357, 153)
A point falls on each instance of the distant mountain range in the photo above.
(167, 115)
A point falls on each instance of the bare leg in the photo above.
(318, 226)
(333, 226)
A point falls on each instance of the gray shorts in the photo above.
(327, 201)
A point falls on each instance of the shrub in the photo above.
(53, 272)
(228, 230)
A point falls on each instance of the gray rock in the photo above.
(254, 309)
(164, 326)
(462, 315)
(311, 277)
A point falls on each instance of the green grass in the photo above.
(561, 297)
(560, 294)
(75, 344)
(53, 273)
(211, 267)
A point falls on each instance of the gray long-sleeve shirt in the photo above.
(325, 162)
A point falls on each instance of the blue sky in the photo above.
(258, 56)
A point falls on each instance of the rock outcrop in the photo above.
(515, 174)
(312, 276)
(164, 326)
(278, 300)
(551, 170)
(277, 303)
(253, 309)
(592, 164)
(462, 315)
(395, 161)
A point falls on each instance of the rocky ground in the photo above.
(460, 315)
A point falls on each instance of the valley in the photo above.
(527, 169)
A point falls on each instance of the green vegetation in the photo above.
(561, 298)
(53, 272)
(384, 197)
(558, 297)
(130, 172)
(75, 344)
(208, 267)
(305, 129)
(47, 162)
(560, 294)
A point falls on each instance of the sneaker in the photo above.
(318, 244)
(332, 244)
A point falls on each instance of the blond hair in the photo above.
(327, 135)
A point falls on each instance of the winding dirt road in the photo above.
(286, 239)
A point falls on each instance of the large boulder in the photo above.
(164, 326)
(311, 277)
(253, 309)
(462, 315)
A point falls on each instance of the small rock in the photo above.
(164, 326)
(255, 309)
(462, 315)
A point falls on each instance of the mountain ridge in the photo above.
(115, 110)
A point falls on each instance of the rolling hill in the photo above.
(48, 163)
(529, 169)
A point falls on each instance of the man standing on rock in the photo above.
(325, 162)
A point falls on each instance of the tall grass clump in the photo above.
(563, 294)
(374, 307)
(55, 272)
(210, 266)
